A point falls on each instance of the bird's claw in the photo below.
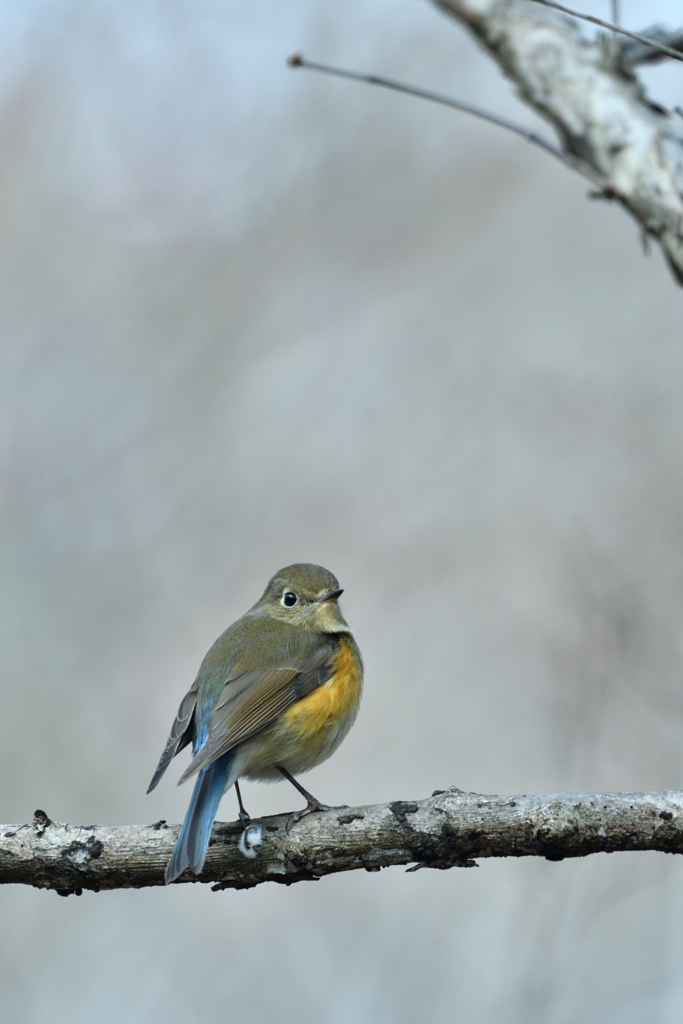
(310, 807)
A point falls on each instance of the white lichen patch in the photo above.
(249, 842)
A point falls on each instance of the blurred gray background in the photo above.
(251, 316)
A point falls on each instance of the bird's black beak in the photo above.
(333, 595)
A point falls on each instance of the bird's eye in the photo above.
(289, 599)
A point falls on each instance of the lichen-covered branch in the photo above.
(588, 90)
(449, 829)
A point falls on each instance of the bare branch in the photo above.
(449, 829)
(652, 42)
(632, 54)
(296, 60)
(615, 11)
(601, 114)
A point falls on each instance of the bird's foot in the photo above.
(311, 806)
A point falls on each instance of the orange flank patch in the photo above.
(333, 705)
(310, 731)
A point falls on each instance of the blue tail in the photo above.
(193, 841)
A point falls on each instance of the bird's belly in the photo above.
(312, 729)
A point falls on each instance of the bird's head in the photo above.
(304, 595)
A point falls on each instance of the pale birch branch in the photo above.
(652, 44)
(449, 829)
(587, 89)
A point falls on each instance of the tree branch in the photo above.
(449, 829)
(296, 60)
(652, 43)
(596, 105)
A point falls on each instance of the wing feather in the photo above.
(254, 700)
(180, 736)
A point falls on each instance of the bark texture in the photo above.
(587, 88)
(449, 829)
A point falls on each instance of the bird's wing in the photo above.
(255, 699)
(180, 736)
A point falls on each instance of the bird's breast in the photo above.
(312, 729)
(335, 701)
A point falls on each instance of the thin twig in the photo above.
(296, 60)
(675, 54)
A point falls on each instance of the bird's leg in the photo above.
(243, 815)
(311, 803)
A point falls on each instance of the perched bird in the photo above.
(274, 697)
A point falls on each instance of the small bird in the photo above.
(274, 697)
